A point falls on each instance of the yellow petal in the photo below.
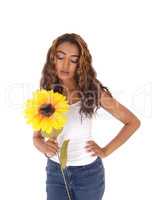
(38, 121)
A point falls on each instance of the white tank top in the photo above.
(78, 133)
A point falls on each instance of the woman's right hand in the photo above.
(50, 147)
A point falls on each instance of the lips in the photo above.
(65, 71)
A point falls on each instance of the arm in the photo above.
(130, 121)
(49, 147)
(38, 141)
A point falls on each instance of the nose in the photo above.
(66, 63)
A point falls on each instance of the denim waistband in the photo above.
(96, 162)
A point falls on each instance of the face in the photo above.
(66, 61)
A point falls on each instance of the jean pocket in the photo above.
(97, 169)
(51, 167)
(91, 171)
(93, 178)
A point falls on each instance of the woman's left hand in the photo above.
(91, 146)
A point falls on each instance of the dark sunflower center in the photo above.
(46, 109)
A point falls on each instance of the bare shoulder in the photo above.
(114, 107)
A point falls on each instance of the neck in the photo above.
(69, 85)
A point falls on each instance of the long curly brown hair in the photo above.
(85, 77)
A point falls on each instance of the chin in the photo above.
(64, 78)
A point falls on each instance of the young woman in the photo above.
(69, 71)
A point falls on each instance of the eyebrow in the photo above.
(59, 51)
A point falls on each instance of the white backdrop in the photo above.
(121, 36)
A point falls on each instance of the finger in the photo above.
(53, 148)
(94, 154)
(90, 142)
(89, 150)
(52, 151)
(52, 140)
(52, 143)
(94, 149)
(89, 145)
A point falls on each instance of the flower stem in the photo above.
(64, 179)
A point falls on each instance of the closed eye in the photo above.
(74, 61)
(61, 58)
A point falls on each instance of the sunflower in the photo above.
(46, 111)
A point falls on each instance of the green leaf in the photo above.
(53, 134)
(63, 153)
(56, 132)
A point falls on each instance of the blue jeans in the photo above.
(84, 182)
